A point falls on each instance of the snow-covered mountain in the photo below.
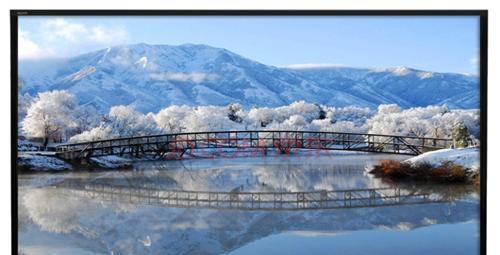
(401, 85)
(151, 77)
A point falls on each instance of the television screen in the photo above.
(248, 132)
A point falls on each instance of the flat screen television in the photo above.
(248, 132)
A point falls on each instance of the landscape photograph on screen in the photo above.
(248, 135)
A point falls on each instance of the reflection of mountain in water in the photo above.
(141, 229)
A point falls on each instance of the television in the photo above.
(248, 132)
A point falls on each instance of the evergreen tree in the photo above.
(232, 110)
(322, 112)
(460, 135)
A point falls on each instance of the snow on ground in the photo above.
(37, 162)
(42, 163)
(23, 145)
(466, 157)
(111, 161)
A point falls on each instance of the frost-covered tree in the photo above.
(261, 117)
(98, 133)
(388, 108)
(321, 112)
(432, 121)
(233, 111)
(470, 118)
(339, 126)
(121, 121)
(295, 122)
(355, 114)
(387, 120)
(460, 135)
(208, 118)
(321, 125)
(50, 115)
(126, 121)
(170, 119)
(23, 104)
(86, 117)
(306, 110)
(416, 126)
(347, 126)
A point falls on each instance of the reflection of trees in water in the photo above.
(23, 219)
(52, 211)
(273, 177)
(118, 226)
(451, 191)
(186, 231)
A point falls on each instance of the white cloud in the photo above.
(68, 38)
(475, 64)
(313, 66)
(27, 49)
(61, 29)
(196, 77)
(474, 60)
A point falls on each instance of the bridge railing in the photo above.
(265, 139)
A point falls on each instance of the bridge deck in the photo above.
(160, 145)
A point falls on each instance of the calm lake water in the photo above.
(114, 212)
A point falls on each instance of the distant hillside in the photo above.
(151, 77)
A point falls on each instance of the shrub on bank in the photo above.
(445, 172)
(476, 180)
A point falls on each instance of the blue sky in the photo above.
(445, 44)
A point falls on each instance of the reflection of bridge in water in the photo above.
(321, 199)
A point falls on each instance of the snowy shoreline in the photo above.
(48, 163)
(42, 162)
(34, 162)
(466, 157)
(440, 166)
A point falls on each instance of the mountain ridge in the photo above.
(151, 77)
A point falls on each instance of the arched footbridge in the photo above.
(159, 146)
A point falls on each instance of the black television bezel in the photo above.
(483, 72)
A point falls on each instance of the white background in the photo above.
(493, 77)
